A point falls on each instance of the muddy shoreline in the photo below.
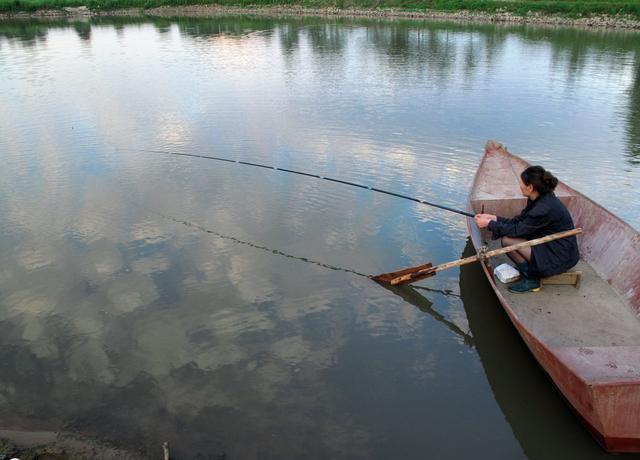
(49, 445)
(596, 22)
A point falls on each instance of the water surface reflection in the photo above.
(226, 309)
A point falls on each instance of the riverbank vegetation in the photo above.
(567, 8)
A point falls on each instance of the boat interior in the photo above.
(604, 310)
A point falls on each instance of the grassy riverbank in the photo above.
(567, 8)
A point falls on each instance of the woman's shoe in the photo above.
(526, 284)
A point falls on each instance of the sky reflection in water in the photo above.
(148, 297)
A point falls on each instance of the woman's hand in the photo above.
(482, 220)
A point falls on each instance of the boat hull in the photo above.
(601, 383)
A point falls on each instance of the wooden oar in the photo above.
(412, 274)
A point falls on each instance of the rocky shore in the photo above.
(47, 445)
(602, 22)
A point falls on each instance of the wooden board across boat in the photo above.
(587, 339)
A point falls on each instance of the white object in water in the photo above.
(506, 273)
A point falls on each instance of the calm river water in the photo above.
(147, 297)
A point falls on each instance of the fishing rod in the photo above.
(315, 176)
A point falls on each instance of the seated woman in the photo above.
(544, 215)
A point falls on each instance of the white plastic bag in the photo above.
(506, 273)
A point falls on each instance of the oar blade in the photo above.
(413, 277)
(392, 277)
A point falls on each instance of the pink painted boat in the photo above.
(587, 339)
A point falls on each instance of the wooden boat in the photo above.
(586, 338)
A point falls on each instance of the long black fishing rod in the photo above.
(316, 176)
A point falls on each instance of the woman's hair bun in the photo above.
(550, 181)
(542, 180)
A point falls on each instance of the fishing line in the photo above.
(301, 173)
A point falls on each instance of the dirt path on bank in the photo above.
(596, 22)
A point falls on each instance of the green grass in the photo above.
(569, 8)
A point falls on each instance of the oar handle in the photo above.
(496, 252)
(535, 242)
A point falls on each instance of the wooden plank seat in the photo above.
(571, 278)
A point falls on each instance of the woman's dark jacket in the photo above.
(541, 217)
